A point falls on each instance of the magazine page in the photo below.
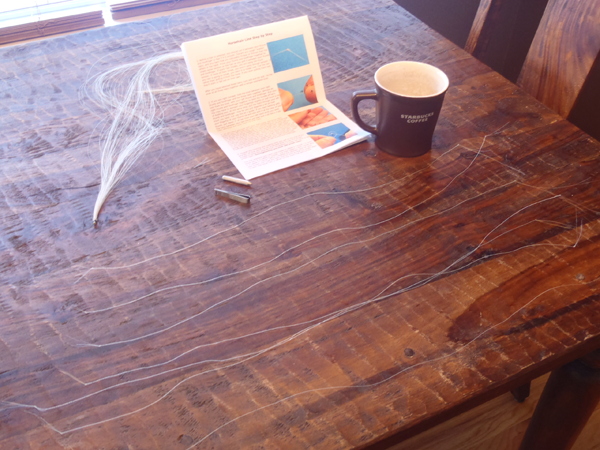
(262, 97)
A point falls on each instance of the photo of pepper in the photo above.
(297, 93)
(309, 90)
(312, 117)
(286, 99)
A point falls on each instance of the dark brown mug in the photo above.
(409, 98)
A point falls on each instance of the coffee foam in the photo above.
(412, 79)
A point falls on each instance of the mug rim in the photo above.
(446, 80)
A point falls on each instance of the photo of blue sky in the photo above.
(296, 88)
(338, 131)
(288, 53)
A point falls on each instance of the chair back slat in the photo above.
(562, 53)
(502, 32)
(551, 48)
(478, 38)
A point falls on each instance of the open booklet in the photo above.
(262, 97)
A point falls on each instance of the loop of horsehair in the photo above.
(136, 119)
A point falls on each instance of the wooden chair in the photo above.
(550, 48)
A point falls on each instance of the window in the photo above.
(121, 9)
(29, 19)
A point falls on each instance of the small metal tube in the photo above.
(242, 198)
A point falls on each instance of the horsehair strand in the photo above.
(136, 118)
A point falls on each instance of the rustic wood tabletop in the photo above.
(359, 298)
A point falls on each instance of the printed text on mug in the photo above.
(416, 118)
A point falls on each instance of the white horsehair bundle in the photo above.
(137, 119)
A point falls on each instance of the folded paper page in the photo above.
(262, 97)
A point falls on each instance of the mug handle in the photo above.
(357, 97)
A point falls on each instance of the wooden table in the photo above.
(359, 299)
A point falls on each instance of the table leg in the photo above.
(522, 392)
(568, 400)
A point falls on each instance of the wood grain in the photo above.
(589, 439)
(482, 256)
(562, 53)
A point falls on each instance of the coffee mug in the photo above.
(409, 98)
